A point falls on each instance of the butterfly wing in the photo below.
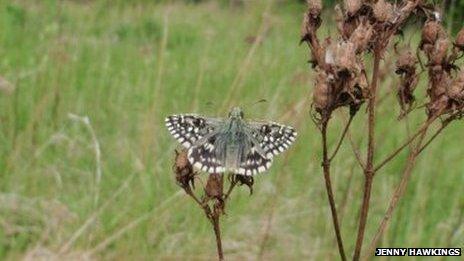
(254, 162)
(273, 138)
(204, 156)
(189, 129)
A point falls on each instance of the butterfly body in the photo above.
(232, 144)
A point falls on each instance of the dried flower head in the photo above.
(406, 68)
(343, 56)
(361, 37)
(311, 20)
(406, 62)
(185, 175)
(321, 94)
(440, 51)
(455, 91)
(352, 6)
(383, 11)
(431, 31)
(315, 6)
(214, 186)
(459, 42)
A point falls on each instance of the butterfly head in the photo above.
(236, 113)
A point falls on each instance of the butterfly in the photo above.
(218, 145)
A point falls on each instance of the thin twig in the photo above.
(356, 152)
(342, 137)
(328, 186)
(404, 145)
(399, 191)
(442, 127)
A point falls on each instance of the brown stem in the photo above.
(345, 130)
(217, 232)
(405, 144)
(369, 171)
(399, 191)
(328, 185)
(442, 127)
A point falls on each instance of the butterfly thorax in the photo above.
(231, 143)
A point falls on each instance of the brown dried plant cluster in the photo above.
(214, 199)
(366, 28)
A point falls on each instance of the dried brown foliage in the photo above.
(214, 199)
(367, 28)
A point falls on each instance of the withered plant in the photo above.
(213, 200)
(366, 33)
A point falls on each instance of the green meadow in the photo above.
(86, 162)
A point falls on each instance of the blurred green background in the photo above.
(85, 161)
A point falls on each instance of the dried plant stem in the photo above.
(217, 232)
(328, 186)
(399, 191)
(369, 170)
(345, 130)
(405, 144)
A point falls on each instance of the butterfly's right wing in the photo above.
(190, 129)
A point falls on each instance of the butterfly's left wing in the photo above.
(273, 138)
(188, 129)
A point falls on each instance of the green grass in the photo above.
(127, 66)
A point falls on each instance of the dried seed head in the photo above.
(245, 180)
(183, 170)
(314, 6)
(383, 11)
(440, 51)
(431, 31)
(361, 37)
(321, 94)
(311, 20)
(406, 63)
(456, 90)
(352, 6)
(345, 57)
(214, 186)
(459, 42)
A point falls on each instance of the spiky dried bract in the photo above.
(361, 37)
(431, 32)
(352, 6)
(406, 62)
(321, 93)
(185, 176)
(440, 51)
(383, 11)
(245, 180)
(311, 20)
(459, 41)
(456, 90)
(406, 68)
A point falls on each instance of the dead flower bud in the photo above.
(214, 186)
(383, 11)
(345, 57)
(406, 63)
(183, 170)
(441, 50)
(245, 180)
(321, 94)
(456, 90)
(352, 6)
(311, 20)
(459, 42)
(314, 6)
(361, 37)
(431, 31)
